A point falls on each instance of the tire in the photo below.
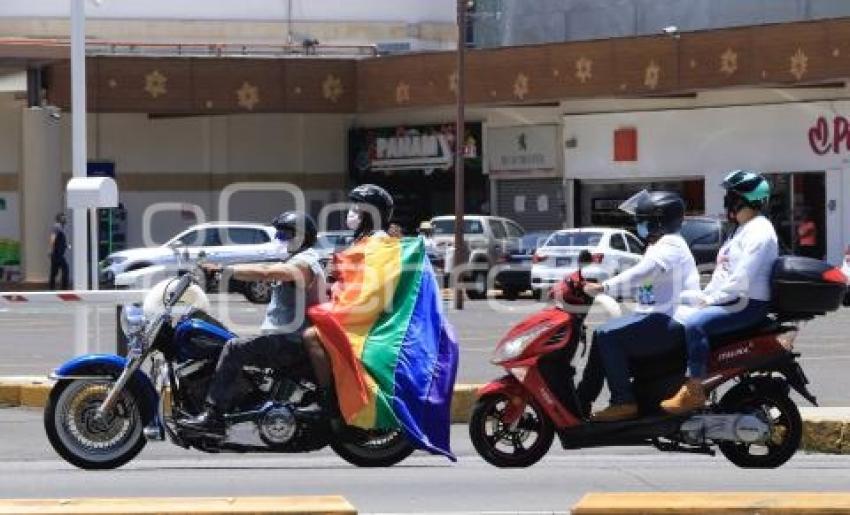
(75, 438)
(537, 294)
(373, 447)
(511, 293)
(846, 300)
(775, 406)
(479, 291)
(487, 414)
(258, 292)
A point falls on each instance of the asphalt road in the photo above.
(422, 483)
(35, 340)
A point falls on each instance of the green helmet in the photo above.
(750, 186)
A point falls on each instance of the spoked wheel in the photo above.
(776, 409)
(504, 445)
(372, 447)
(83, 438)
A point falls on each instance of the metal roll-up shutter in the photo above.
(536, 204)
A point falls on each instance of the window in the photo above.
(245, 236)
(574, 239)
(635, 244)
(443, 227)
(618, 243)
(705, 232)
(514, 231)
(498, 228)
(198, 238)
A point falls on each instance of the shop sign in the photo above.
(825, 137)
(425, 148)
(522, 148)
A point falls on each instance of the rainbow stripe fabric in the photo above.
(393, 353)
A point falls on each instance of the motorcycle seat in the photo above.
(766, 326)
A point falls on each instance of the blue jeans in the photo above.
(715, 321)
(635, 335)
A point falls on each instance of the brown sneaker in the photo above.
(616, 413)
(690, 396)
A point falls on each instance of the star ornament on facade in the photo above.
(584, 69)
(728, 62)
(453, 82)
(155, 84)
(521, 86)
(652, 75)
(799, 64)
(402, 93)
(332, 88)
(248, 96)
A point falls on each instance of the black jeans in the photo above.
(58, 264)
(278, 351)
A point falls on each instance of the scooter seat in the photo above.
(766, 326)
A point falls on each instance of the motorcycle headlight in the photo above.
(510, 349)
(132, 319)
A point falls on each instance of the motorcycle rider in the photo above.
(370, 211)
(299, 284)
(666, 270)
(738, 295)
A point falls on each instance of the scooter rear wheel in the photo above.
(505, 446)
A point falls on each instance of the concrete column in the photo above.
(834, 216)
(41, 188)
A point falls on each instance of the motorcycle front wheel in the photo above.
(82, 438)
(372, 447)
(504, 445)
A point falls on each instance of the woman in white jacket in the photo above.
(738, 295)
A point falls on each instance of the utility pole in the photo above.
(459, 251)
(78, 136)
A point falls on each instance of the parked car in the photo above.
(217, 242)
(704, 236)
(514, 276)
(845, 267)
(613, 251)
(487, 239)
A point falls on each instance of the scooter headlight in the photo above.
(510, 349)
(132, 320)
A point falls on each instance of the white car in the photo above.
(613, 251)
(218, 242)
(845, 267)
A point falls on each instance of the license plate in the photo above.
(563, 261)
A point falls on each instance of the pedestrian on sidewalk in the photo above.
(58, 245)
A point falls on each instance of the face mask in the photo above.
(643, 230)
(352, 220)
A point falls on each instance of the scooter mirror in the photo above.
(585, 258)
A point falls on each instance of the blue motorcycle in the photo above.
(104, 408)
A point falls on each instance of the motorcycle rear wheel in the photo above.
(775, 407)
(372, 447)
(83, 440)
(487, 430)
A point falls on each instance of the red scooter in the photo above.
(755, 424)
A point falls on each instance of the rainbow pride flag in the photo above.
(393, 353)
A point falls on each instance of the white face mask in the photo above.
(352, 220)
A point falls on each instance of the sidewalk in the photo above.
(826, 430)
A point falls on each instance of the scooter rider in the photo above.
(666, 270)
(300, 283)
(369, 213)
(738, 295)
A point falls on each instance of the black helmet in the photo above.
(297, 226)
(662, 211)
(376, 197)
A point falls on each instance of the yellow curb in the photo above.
(463, 399)
(330, 504)
(711, 502)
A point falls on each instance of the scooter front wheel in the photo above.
(509, 445)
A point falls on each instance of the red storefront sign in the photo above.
(625, 144)
(825, 137)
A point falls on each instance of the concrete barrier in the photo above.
(646, 503)
(825, 430)
(331, 504)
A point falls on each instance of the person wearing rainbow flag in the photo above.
(382, 344)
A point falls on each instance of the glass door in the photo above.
(797, 210)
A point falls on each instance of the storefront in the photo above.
(526, 174)
(416, 165)
(803, 148)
